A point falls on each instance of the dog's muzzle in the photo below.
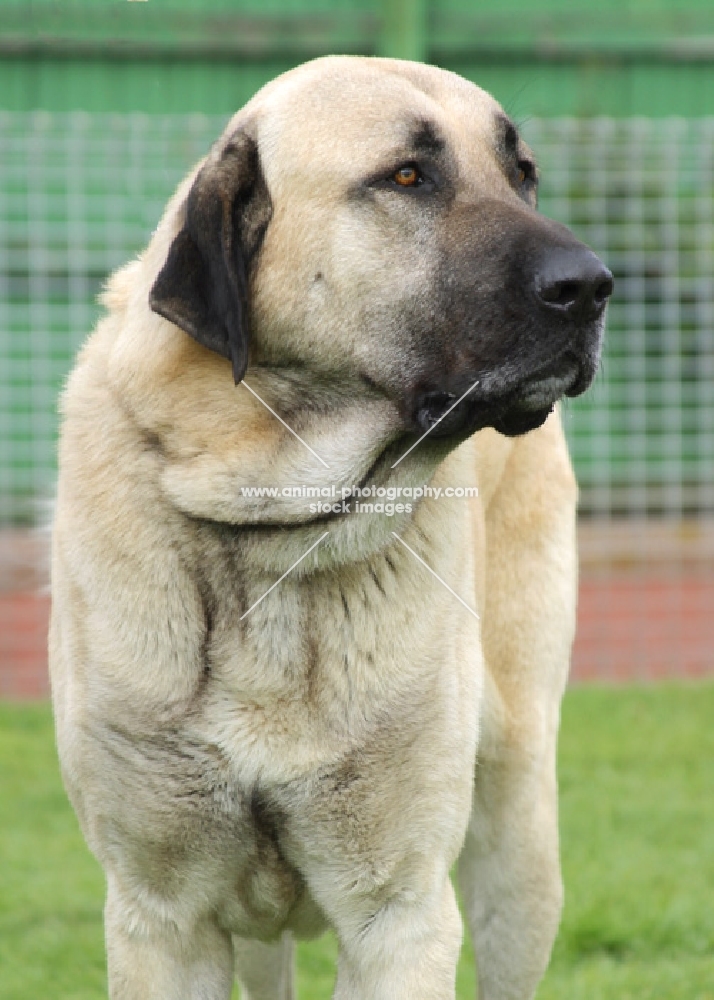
(565, 296)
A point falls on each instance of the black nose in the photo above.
(573, 282)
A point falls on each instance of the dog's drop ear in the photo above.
(203, 285)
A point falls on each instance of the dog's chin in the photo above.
(516, 421)
(530, 404)
(533, 404)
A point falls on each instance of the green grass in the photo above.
(637, 822)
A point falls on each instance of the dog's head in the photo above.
(377, 219)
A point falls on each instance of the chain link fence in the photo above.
(641, 193)
(80, 194)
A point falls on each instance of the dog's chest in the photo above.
(285, 631)
(301, 668)
(320, 696)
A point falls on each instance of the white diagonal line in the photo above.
(436, 422)
(287, 426)
(436, 575)
(284, 575)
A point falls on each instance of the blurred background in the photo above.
(104, 104)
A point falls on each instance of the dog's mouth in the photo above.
(510, 403)
(533, 403)
(512, 409)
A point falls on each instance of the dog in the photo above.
(314, 564)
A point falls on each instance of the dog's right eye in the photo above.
(408, 176)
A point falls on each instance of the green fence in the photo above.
(641, 192)
(80, 194)
(107, 102)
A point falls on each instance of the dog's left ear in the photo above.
(203, 285)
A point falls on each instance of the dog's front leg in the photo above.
(509, 871)
(161, 960)
(403, 951)
(509, 875)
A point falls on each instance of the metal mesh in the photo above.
(641, 193)
(80, 193)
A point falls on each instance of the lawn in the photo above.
(637, 823)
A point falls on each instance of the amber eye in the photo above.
(407, 176)
(526, 172)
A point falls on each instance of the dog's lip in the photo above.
(541, 392)
(581, 383)
(491, 396)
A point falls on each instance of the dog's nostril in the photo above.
(573, 282)
(561, 293)
(604, 291)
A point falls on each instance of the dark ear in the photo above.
(203, 286)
